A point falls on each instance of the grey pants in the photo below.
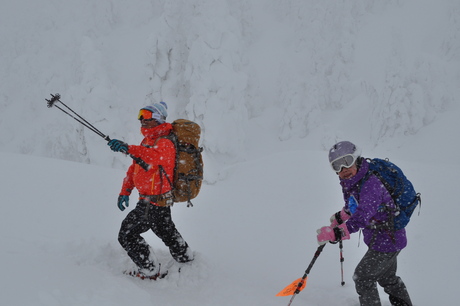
(377, 267)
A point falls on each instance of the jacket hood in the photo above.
(158, 131)
(347, 184)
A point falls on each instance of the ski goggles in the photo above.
(148, 115)
(345, 161)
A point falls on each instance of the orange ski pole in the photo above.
(299, 284)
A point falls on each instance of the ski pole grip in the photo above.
(107, 138)
(138, 160)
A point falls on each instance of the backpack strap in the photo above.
(417, 200)
(365, 178)
(160, 167)
(380, 225)
(171, 137)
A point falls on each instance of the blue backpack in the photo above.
(399, 187)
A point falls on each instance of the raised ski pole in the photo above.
(57, 98)
(341, 261)
(299, 284)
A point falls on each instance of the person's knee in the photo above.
(360, 276)
(390, 281)
(363, 282)
(123, 238)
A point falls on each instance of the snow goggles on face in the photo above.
(148, 115)
(343, 162)
(144, 114)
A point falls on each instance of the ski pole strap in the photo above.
(338, 235)
(338, 217)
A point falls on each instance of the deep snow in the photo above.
(252, 234)
(273, 84)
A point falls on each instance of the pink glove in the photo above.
(339, 217)
(328, 233)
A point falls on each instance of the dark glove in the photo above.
(118, 146)
(123, 199)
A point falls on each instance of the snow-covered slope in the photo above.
(252, 235)
(274, 85)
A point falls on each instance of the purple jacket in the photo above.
(370, 196)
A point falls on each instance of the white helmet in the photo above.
(343, 154)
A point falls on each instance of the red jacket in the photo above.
(160, 153)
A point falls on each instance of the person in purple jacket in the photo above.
(366, 207)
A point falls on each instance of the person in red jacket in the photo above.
(150, 173)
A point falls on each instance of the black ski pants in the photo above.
(377, 267)
(142, 218)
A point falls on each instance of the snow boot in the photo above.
(148, 274)
(174, 265)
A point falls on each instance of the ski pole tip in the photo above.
(294, 288)
(53, 99)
